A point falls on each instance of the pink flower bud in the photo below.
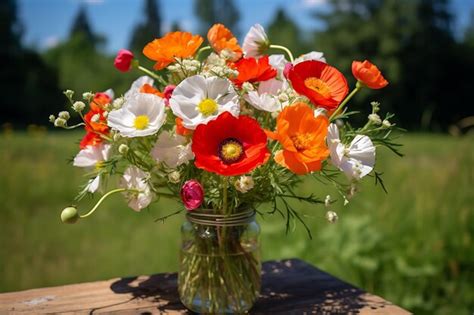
(287, 69)
(192, 194)
(168, 91)
(123, 61)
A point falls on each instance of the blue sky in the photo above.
(47, 22)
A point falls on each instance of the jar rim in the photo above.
(215, 219)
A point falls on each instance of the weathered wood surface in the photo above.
(289, 287)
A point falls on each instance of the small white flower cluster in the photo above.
(216, 65)
(331, 216)
(185, 67)
(61, 120)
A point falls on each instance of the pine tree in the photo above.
(283, 31)
(147, 30)
(210, 12)
(81, 27)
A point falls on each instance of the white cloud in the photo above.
(93, 1)
(313, 3)
(50, 42)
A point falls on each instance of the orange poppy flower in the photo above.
(147, 88)
(303, 138)
(324, 85)
(368, 74)
(180, 129)
(99, 101)
(254, 70)
(220, 38)
(229, 145)
(173, 45)
(99, 126)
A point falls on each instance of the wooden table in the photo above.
(289, 287)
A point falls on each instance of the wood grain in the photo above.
(289, 287)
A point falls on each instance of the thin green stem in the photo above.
(74, 126)
(225, 185)
(346, 100)
(105, 197)
(288, 52)
(153, 75)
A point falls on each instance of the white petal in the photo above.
(137, 84)
(254, 39)
(278, 62)
(110, 93)
(314, 55)
(91, 155)
(171, 149)
(93, 184)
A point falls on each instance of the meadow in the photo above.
(413, 246)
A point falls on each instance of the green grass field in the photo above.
(413, 246)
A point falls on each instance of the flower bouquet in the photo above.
(228, 131)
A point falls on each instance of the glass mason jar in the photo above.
(220, 262)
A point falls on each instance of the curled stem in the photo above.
(74, 126)
(288, 52)
(105, 197)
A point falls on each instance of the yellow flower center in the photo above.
(318, 85)
(207, 107)
(141, 122)
(302, 141)
(230, 150)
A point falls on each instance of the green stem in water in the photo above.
(288, 52)
(224, 194)
(105, 197)
(346, 100)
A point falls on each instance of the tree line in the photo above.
(428, 64)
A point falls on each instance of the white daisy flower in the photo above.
(266, 97)
(244, 184)
(137, 85)
(255, 42)
(314, 55)
(141, 115)
(92, 157)
(172, 149)
(134, 178)
(198, 100)
(355, 160)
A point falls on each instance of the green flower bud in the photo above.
(69, 215)
(64, 115)
(68, 93)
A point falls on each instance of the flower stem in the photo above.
(105, 197)
(153, 75)
(288, 52)
(75, 126)
(346, 100)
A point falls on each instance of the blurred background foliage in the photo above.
(412, 246)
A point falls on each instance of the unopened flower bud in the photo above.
(374, 118)
(52, 118)
(386, 124)
(69, 93)
(174, 177)
(123, 148)
(244, 184)
(78, 106)
(327, 201)
(60, 122)
(118, 103)
(375, 106)
(64, 115)
(69, 215)
(87, 96)
(331, 216)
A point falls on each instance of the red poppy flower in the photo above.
(93, 125)
(368, 74)
(148, 89)
(91, 138)
(324, 85)
(254, 70)
(230, 146)
(180, 129)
